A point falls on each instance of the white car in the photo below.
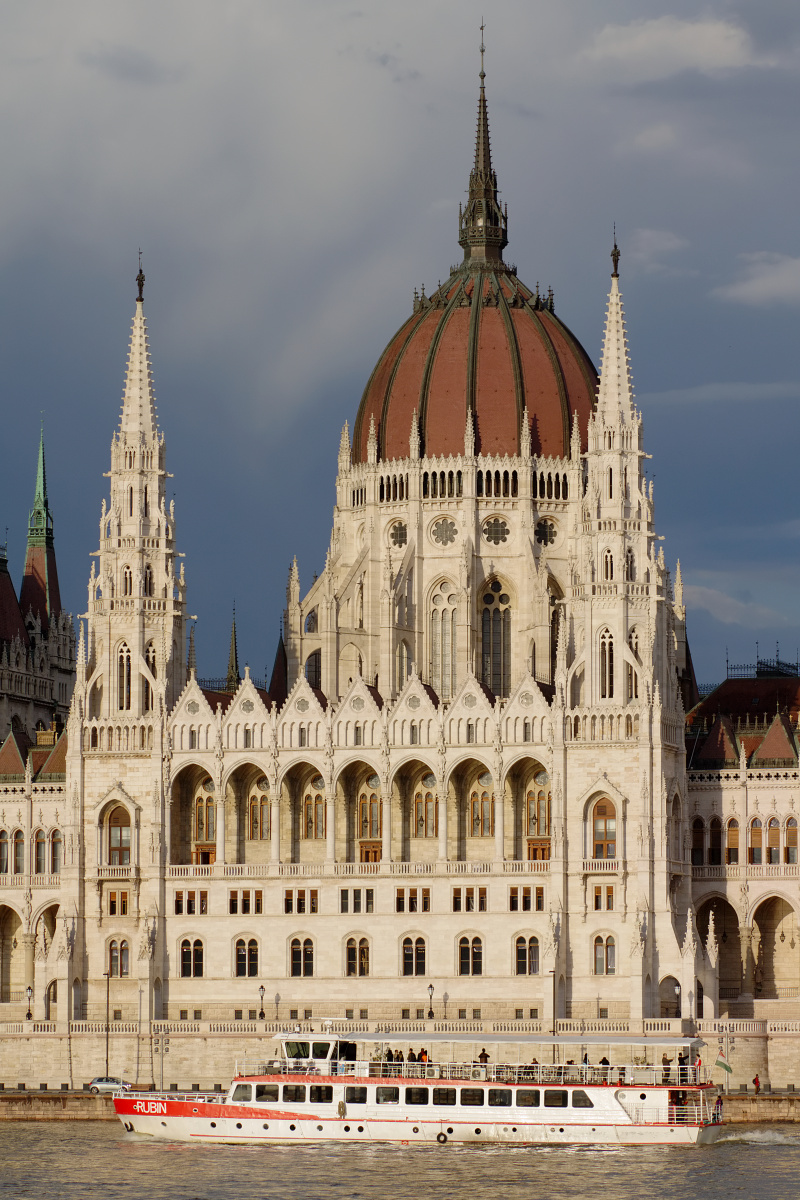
(107, 1083)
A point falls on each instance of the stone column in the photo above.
(500, 825)
(330, 826)
(220, 830)
(275, 829)
(386, 839)
(441, 802)
(28, 942)
(748, 966)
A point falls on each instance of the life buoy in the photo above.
(441, 1138)
(342, 1109)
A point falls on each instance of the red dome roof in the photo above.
(483, 343)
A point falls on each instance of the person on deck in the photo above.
(665, 1065)
(483, 1057)
(411, 1055)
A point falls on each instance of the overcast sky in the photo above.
(293, 169)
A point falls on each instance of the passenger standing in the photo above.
(665, 1071)
(757, 1084)
(411, 1055)
(423, 1055)
(483, 1057)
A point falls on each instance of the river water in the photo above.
(87, 1159)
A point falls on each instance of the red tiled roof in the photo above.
(13, 754)
(754, 697)
(56, 762)
(778, 743)
(11, 622)
(720, 745)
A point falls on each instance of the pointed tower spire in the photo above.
(138, 401)
(234, 679)
(615, 393)
(483, 228)
(191, 662)
(40, 593)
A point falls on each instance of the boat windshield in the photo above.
(319, 1050)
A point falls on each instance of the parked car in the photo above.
(108, 1083)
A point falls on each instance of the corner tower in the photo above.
(137, 606)
(40, 594)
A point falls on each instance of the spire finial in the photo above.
(615, 255)
(140, 280)
(483, 223)
(234, 679)
(483, 51)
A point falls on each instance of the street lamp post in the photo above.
(29, 993)
(277, 1002)
(430, 1001)
(261, 1010)
(677, 1000)
(108, 985)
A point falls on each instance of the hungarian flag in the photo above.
(723, 1062)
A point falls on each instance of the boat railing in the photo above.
(185, 1097)
(671, 1114)
(628, 1074)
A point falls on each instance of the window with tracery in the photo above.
(413, 956)
(537, 817)
(444, 641)
(608, 566)
(604, 830)
(357, 956)
(313, 816)
(124, 677)
(425, 816)
(205, 825)
(119, 838)
(302, 957)
(606, 665)
(632, 675)
(259, 818)
(246, 958)
(369, 816)
(470, 956)
(496, 639)
(150, 659)
(527, 956)
(482, 813)
(604, 956)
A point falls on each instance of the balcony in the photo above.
(126, 872)
(334, 870)
(601, 866)
(747, 871)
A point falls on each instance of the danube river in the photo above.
(81, 1160)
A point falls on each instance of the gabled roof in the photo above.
(279, 680)
(11, 622)
(720, 746)
(56, 761)
(13, 753)
(779, 744)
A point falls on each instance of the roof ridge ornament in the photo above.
(615, 255)
(140, 280)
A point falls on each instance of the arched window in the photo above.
(246, 958)
(127, 582)
(130, 501)
(715, 842)
(252, 958)
(302, 956)
(39, 852)
(527, 956)
(698, 841)
(113, 958)
(732, 842)
(496, 638)
(403, 664)
(311, 619)
(313, 816)
(608, 566)
(19, 852)
(604, 826)
(630, 566)
(482, 813)
(632, 674)
(606, 665)
(369, 816)
(118, 959)
(314, 669)
(357, 956)
(123, 958)
(790, 845)
(756, 841)
(124, 677)
(147, 690)
(3, 852)
(241, 958)
(191, 959)
(119, 838)
(148, 579)
(537, 817)
(425, 815)
(470, 956)
(413, 956)
(204, 819)
(604, 956)
(774, 840)
(444, 655)
(259, 818)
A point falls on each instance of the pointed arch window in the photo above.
(425, 815)
(756, 841)
(790, 844)
(605, 956)
(606, 665)
(608, 567)
(124, 677)
(313, 817)
(631, 674)
(369, 816)
(537, 817)
(19, 852)
(604, 830)
(403, 664)
(482, 813)
(259, 819)
(148, 700)
(470, 956)
(3, 852)
(205, 825)
(732, 842)
(496, 638)
(148, 580)
(444, 641)
(630, 566)
(127, 582)
(119, 837)
(698, 841)
(39, 853)
(314, 669)
(527, 956)
(774, 840)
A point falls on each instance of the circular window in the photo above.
(496, 531)
(208, 785)
(429, 781)
(193, 706)
(262, 784)
(247, 706)
(357, 703)
(545, 533)
(485, 780)
(444, 532)
(318, 783)
(302, 705)
(373, 781)
(399, 534)
(413, 701)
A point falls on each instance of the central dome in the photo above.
(482, 344)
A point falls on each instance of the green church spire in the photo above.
(40, 523)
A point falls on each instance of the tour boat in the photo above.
(319, 1090)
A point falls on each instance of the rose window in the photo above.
(545, 533)
(496, 531)
(399, 534)
(444, 532)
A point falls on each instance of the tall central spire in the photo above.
(138, 402)
(483, 224)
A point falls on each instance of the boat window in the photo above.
(320, 1049)
(580, 1099)
(387, 1095)
(266, 1091)
(321, 1093)
(242, 1092)
(472, 1095)
(500, 1097)
(556, 1099)
(297, 1049)
(296, 1092)
(416, 1095)
(355, 1095)
(444, 1095)
(527, 1097)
